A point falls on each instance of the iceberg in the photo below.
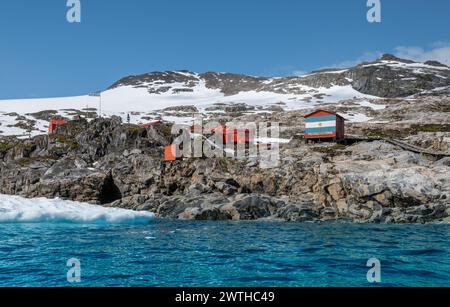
(15, 209)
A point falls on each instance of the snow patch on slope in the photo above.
(142, 105)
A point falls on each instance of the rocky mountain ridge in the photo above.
(388, 77)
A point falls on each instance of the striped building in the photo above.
(324, 125)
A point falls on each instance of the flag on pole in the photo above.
(96, 94)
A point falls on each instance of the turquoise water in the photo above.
(177, 253)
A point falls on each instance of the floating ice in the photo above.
(41, 210)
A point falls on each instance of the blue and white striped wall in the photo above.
(321, 125)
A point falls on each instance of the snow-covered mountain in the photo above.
(176, 95)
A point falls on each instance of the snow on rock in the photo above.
(372, 105)
(143, 106)
(144, 98)
(357, 117)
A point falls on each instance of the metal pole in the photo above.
(100, 105)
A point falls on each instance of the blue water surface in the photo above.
(182, 253)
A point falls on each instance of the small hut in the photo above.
(324, 125)
(54, 123)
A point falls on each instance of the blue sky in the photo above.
(42, 55)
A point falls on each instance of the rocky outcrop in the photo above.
(107, 162)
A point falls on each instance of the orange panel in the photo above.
(320, 136)
(169, 153)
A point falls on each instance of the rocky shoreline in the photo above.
(120, 165)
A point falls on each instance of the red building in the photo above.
(54, 123)
(155, 123)
(230, 136)
(324, 125)
(235, 136)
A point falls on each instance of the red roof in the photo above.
(158, 122)
(58, 122)
(54, 123)
(322, 113)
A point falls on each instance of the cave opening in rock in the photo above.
(110, 192)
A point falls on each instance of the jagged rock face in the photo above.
(106, 162)
(392, 81)
(387, 77)
(155, 81)
(75, 163)
(231, 84)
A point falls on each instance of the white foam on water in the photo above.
(14, 209)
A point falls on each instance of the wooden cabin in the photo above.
(234, 136)
(324, 125)
(54, 123)
(229, 136)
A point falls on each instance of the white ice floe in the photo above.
(14, 209)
